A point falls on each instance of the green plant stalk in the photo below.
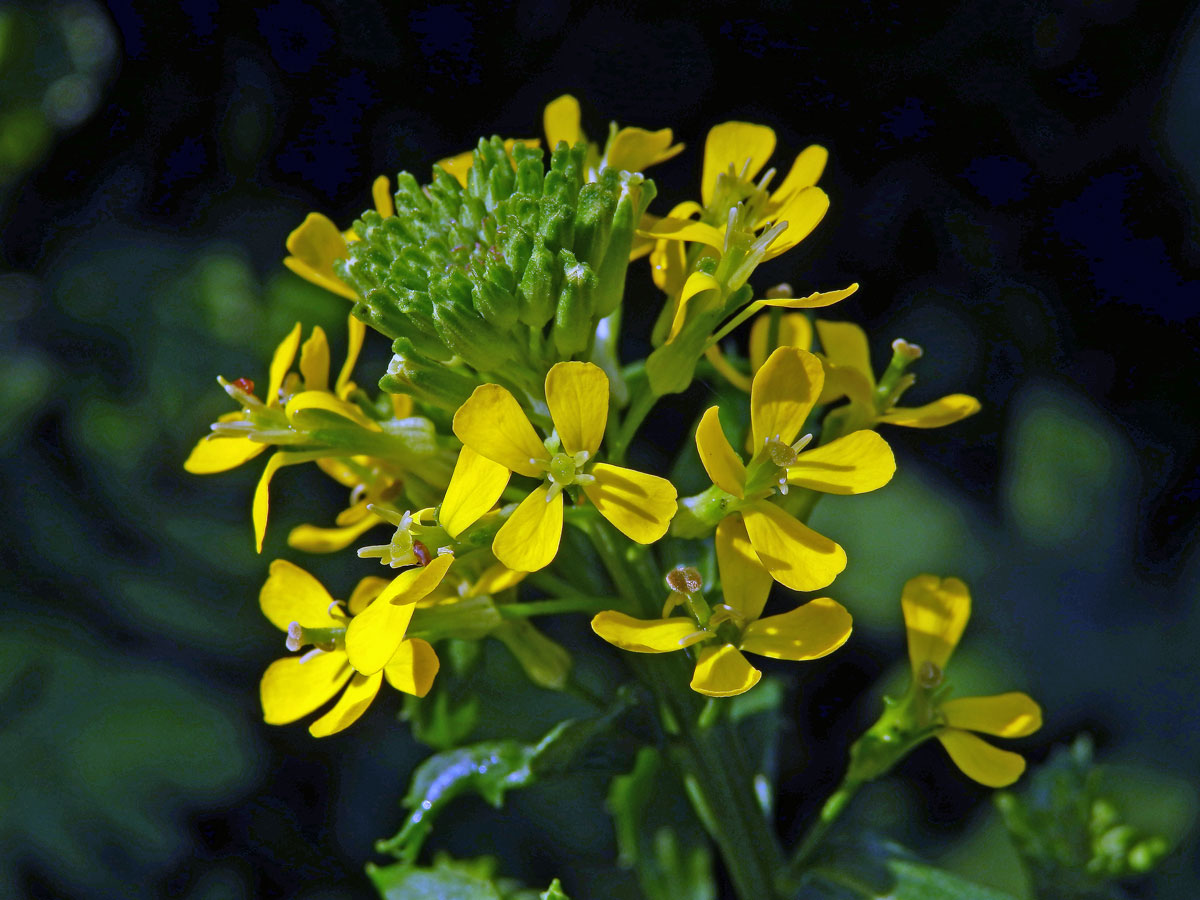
(636, 414)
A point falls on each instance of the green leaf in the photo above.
(554, 892)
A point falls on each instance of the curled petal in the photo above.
(672, 229)
(529, 539)
(577, 394)
(945, 411)
(259, 507)
(744, 580)
(803, 212)
(812, 301)
(475, 486)
(413, 667)
(314, 360)
(356, 330)
(723, 672)
(381, 194)
(744, 146)
(281, 361)
(314, 247)
(493, 424)
(350, 706)
(722, 365)
(810, 631)
(783, 394)
(697, 283)
(212, 455)
(294, 686)
(639, 505)
(722, 464)
(1008, 715)
(327, 402)
(796, 556)
(852, 464)
(291, 594)
(845, 344)
(936, 611)
(314, 539)
(805, 172)
(646, 636)
(979, 760)
(636, 149)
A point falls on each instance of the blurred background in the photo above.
(1015, 186)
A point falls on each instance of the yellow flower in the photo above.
(498, 439)
(810, 631)
(848, 371)
(295, 686)
(629, 149)
(783, 393)
(317, 244)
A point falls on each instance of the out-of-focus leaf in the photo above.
(758, 718)
(454, 879)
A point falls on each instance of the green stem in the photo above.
(554, 606)
(638, 410)
(830, 812)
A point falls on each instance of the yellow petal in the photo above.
(356, 330)
(742, 145)
(941, 412)
(843, 381)
(936, 611)
(783, 394)
(381, 194)
(560, 121)
(722, 365)
(529, 539)
(796, 556)
(1009, 715)
(810, 631)
(458, 165)
(802, 212)
(292, 595)
(313, 247)
(852, 464)
(646, 636)
(668, 266)
(353, 703)
(812, 301)
(722, 464)
(475, 486)
(376, 632)
(845, 344)
(413, 667)
(402, 406)
(723, 672)
(343, 475)
(493, 424)
(638, 504)
(495, 579)
(672, 229)
(577, 394)
(794, 331)
(979, 760)
(221, 454)
(805, 172)
(314, 539)
(326, 401)
(744, 580)
(636, 149)
(281, 361)
(314, 361)
(697, 283)
(364, 592)
(262, 498)
(294, 686)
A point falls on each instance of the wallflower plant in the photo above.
(496, 452)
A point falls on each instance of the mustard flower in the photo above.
(292, 687)
(499, 439)
(782, 394)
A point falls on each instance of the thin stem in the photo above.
(733, 323)
(637, 412)
(553, 606)
(830, 812)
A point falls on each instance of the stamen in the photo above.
(295, 636)
(422, 553)
(803, 442)
(685, 580)
(311, 654)
(689, 638)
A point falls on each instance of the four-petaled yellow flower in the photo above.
(295, 686)
(499, 439)
(783, 393)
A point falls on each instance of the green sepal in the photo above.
(573, 313)
(425, 380)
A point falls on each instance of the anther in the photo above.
(684, 580)
(421, 552)
(901, 347)
(295, 636)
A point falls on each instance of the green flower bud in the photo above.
(537, 289)
(573, 315)
(422, 378)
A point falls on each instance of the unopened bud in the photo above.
(684, 580)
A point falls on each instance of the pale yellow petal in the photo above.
(495, 579)
(802, 212)
(560, 121)
(262, 498)
(343, 475)
(493, 424)
(314, 361)
(668, 265)
(745, 582)
(211, 455)
(783, 394)
(812, 301)
(720, 461)
(314, 539)
(376, 632)
(577, 394)
(852, 464)
(458, 165)
(413, 584)
(365, 592)
(810, 631)
(636, 149)
(723, 672)
(638, 504)
(291, 594)
(381, 194)
(744, 146)
(697, 283)
(722, 365)
(843, 381)
(794, 331)
(323, 400)
(796, 556)
(936, 611)
(350, 706)
(294, 686)
(805, 172)
(845, 344)
(646, 635)
(979, 760)
(413, 667)
(1010, 715)
(475, 486)
(529, 539)
(671, 229)
(314, 246)
(945, 411)
(281, 361)
(356, 330)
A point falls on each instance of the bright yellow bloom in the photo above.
(810, 631)
(499, 439)
(848, 372)
(629, 149)
(317, 244)
(935, 613)
(782, 395)
(295, 686)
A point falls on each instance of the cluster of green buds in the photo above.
(495, 281)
